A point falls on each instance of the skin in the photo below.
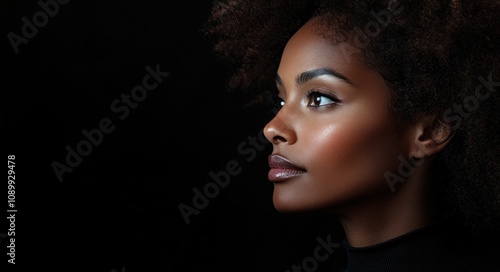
(346, 138)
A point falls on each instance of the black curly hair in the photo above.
(440, 58)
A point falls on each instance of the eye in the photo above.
(318, 99)
(278, 102)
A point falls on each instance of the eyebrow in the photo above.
(308, 75)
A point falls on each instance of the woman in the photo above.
(388, 118)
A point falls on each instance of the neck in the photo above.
(410, 207)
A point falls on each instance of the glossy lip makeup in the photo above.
(282, 169)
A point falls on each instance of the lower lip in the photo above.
(277, 175)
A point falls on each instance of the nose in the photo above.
(279, 130)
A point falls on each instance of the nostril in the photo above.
(278, 139)
(277, 131)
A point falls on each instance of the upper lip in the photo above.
(280, 162)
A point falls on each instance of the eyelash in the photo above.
(310, 95)
(278, 102)
(313, 93)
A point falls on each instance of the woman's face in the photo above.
(334, 125)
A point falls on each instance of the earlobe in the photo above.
(430, 137)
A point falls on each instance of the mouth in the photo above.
(282, 169)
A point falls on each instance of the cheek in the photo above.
(352, 155)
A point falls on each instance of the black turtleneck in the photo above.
(439, 247)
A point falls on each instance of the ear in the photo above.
(430, 135)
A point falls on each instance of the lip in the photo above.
(282, 169)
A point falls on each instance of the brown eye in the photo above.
(317, 99)
(278, 102)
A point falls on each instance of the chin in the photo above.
(294, 205)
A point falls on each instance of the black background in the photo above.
(118, 209)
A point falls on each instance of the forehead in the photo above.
(308, 50)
